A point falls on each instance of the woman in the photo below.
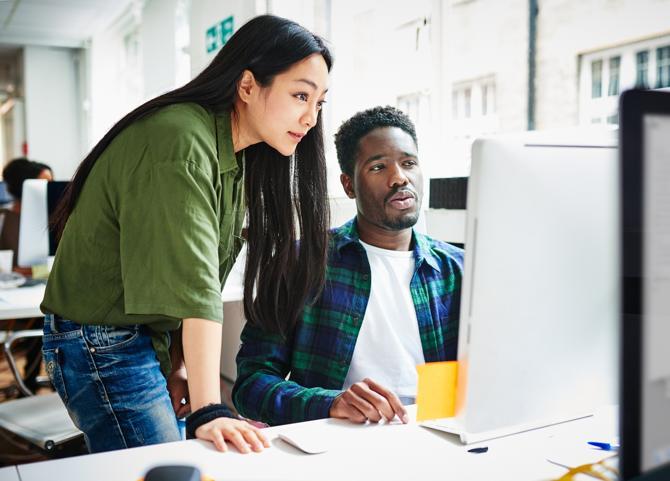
(151, 227)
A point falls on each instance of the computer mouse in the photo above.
(307, 441)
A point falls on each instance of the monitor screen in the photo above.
(645, 305)
(655, 422)
(5, 197)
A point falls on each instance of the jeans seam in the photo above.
(62, 336)
(52, 372)
(103, 392)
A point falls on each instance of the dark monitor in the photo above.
(645, 222)
(5, 197)
(55, 192)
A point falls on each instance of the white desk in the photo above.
(9, 474)
(22, 302)
(389, 452)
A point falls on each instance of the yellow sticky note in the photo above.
(40, 271)
(436, 390)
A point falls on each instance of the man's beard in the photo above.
(401, 222)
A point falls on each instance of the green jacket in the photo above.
(156, 228)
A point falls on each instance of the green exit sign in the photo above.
(217, 35)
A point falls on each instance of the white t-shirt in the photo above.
(388, 347)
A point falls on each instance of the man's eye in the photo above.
(377, 167)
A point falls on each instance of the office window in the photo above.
(488, 99)
(663, 67)
(467, 103)
(615, 63)
(596, 78)
(613, 119)
(642, 63)
(454, 105)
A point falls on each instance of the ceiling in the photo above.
(57, 23)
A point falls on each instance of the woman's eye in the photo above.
(320, 104)
(302, 97)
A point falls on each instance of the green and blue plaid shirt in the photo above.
(317, 355)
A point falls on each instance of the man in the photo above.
(390, 301)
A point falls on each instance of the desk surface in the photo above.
(21, 302)
(24, 302)
(9, 474)
(369, 452)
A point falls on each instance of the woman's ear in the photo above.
(246, 86)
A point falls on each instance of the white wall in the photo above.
(158, 44)
(134, 58)
(115, 73)
(52, 108)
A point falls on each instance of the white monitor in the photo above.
(539, 307)
(34, 224)
(38, 201)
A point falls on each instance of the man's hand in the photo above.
(178, 388)
(240, 434)
(367, 400)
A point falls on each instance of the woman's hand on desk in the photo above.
(367, 400)
(240, 434)
(177, 386)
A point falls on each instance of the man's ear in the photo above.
(246, 86)
(347, 185)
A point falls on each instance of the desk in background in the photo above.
(389, 452)
(9, 474)
(21, 302)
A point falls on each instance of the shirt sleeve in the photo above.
(169, 239)
(261, 391)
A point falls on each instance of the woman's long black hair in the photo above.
(284, 194)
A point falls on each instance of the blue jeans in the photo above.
(110, 381)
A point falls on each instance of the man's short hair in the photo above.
(361, 124)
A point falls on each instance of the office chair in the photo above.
(41, 420)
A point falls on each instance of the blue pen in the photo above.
(604, 446)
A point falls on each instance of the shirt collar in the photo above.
(348, 234)
(228, 161)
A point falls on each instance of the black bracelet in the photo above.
(203, 416)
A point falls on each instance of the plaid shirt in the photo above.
(317, 355)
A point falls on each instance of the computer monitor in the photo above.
(538, 339)
(5, 197)
(645, 227)
(38, 202)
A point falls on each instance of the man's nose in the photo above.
(397, 176)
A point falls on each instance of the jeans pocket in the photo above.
(53, 367)
(110, 338)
